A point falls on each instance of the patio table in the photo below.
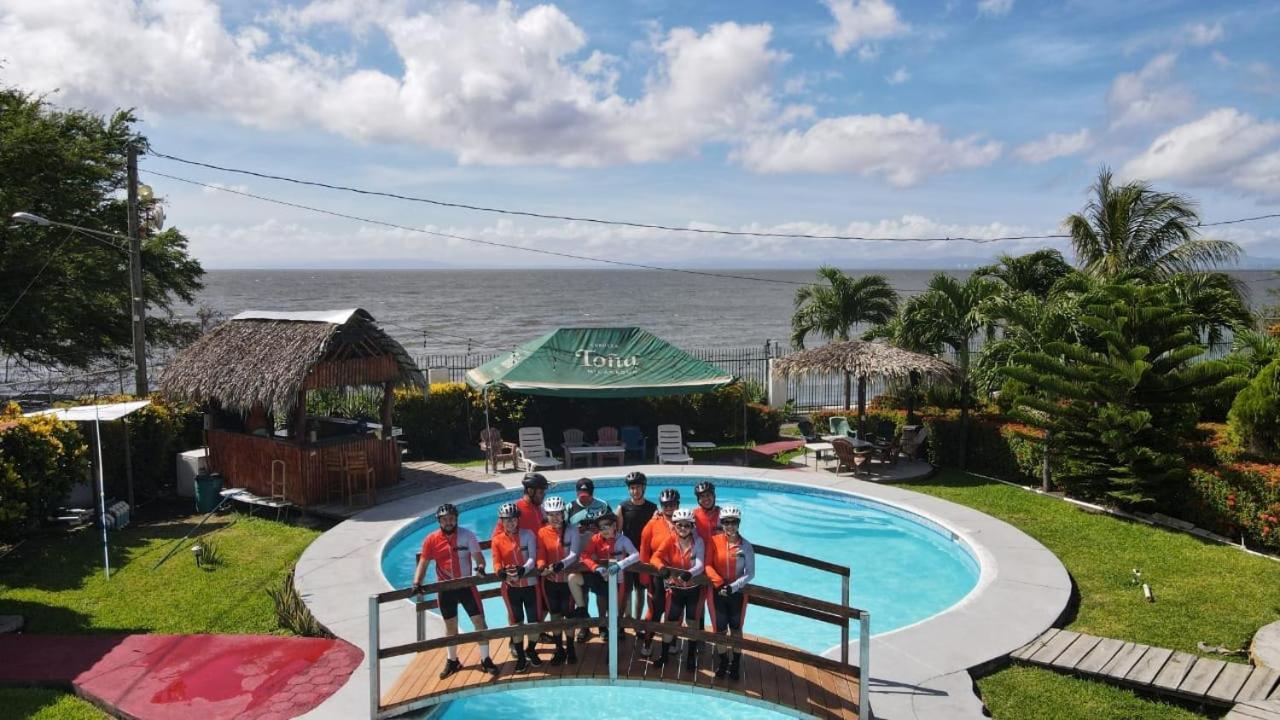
(818, 449)
(855, 442)
(594, 451)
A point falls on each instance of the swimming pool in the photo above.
(624, 702)
(904, 567)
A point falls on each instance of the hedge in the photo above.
(446, 422)
(40, 459)
(157, 433)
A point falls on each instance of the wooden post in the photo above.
(300, 418)
(862, 407)
(388, 408)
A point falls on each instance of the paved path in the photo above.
(1151, 669)
(182, 677)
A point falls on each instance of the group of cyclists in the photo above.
(551, 555)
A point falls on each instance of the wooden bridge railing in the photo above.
(840, 614)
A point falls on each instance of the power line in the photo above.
(596, 221)
(36, 277)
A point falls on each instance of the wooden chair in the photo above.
(912, 442)
(608, 435)
(889, 453)
(862, 460)
(495, 449)
(335, 474)
(573, 437)
(845, 454)
(358, 469)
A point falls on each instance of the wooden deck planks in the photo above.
(1146, 669)
(1262, 710)
(784, 682)
(1055, 647)
(1259, 684)
(1122, 664)
(1026, 651)
(1171, 675)
(1099, 656)
(1201, 676)
(1229, 682)
(1076, 652)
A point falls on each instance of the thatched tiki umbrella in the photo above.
(863, 359)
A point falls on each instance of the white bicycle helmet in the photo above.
(553, 504)
(730, 511)
(683, 515)
(508, 510)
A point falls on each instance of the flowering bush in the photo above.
(1236, 500)
(40, 458)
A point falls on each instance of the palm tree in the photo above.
(952, 313)
(1131, 231)
(834, 308)
(1033, 273)
(1216, 299)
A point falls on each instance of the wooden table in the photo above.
(594, 451)
(818, 449)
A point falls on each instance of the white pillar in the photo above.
(777, 386)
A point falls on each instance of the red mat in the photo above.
(775, 448)
(182, 677)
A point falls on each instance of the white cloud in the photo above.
(994, 7)
(858, 21)
(1150, 95)
(490, 84)
(1204, 33)
(1054, 145)
(902, 149)
(1224, 148)
(897, 77)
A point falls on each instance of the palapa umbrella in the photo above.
(863, 359)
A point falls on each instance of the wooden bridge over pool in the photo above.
(773, 673)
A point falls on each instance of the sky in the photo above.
(881, 118)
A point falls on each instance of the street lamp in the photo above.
(27, 218)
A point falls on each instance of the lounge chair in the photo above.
(808, 432)
(671, 447)
(913, 441)
(635, 441)
(533, 454)
(495, 449)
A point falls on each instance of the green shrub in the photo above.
(156, 434)
(445, 423)
(1255, 414)
(40, 459)
(1238, 500)
(292, 612)
(763, 422)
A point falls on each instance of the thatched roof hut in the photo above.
(269, 358)
(862, 359)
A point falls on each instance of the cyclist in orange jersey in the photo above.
(557, 550)
(656, 531)
(731, 565)
(681, 560)
(515, 552)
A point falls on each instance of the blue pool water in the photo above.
(613, 702)
(903, 570)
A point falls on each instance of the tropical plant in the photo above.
(1216, 299)
(1255, 414)
(1131, 231)
(833, 308)
(952, 313)
(1034, 273)
(292, 613)
(1122, 414)
(67, 294)
(1252, 350)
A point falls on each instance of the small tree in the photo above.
(1255, 414)
(1122, 404)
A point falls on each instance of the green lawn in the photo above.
(1204, 592)
(41, 704)
(58, 583)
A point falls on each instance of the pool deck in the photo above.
(919, 671)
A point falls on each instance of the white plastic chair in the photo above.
(671, 447)
(533, 453)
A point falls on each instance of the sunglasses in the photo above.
(730, 522)
(671, 504)
(686, 526)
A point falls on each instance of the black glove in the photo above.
(725, 590)
(685, 576)
(480, 571)
(665, 573)
(417, 589)
(557, 566)
(520, 571)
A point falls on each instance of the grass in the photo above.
(42, 704)
(1204, 592)
(58, 584)
(1027, 692)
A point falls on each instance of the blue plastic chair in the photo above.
(634, 440)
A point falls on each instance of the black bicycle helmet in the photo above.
(534, 480)
(607, 516)
(635, 477)
(446, 509)
(669, 495)
(705, 486)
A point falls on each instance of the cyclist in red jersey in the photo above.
(453, 550)
(731, 565)
(681, 560)
(531, 519)
(557, 550)
(707, 515)
(515, 551)
(607, 553)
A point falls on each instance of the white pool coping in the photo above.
(918, 671)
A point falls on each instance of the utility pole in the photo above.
(138, 306)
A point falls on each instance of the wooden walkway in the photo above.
(1156, 670)
(821, 693)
